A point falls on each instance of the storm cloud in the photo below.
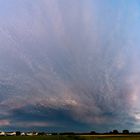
(69, 65)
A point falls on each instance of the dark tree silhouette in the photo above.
(18, 133)
(92, 132)
(115, 131)
(41, 133)
(125, 131)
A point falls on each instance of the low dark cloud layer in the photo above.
(69, 65)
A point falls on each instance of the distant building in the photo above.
(23, 134)
(2, 134)
(10, 133)
(31, 133)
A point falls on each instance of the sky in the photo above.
(69, 65)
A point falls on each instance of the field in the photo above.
(70, 137)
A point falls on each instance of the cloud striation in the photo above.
(69, 65)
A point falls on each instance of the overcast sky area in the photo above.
(69, 65)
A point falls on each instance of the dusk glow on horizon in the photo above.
(69, 65)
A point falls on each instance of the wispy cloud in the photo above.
(4, 123)
(76, 59)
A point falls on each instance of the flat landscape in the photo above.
(102, 137)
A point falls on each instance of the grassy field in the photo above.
(70, 138)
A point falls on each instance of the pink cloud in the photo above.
(4, 122)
